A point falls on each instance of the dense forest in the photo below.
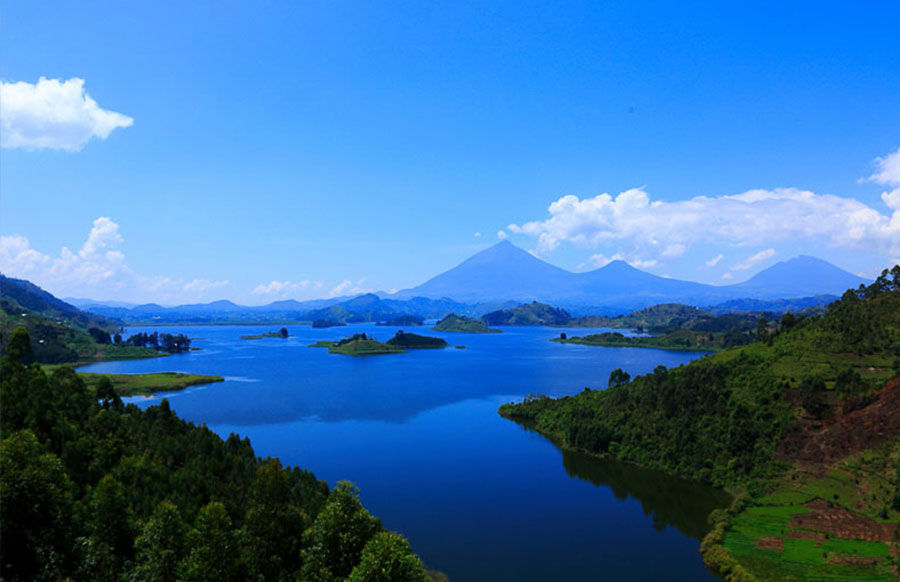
(720, 418)
(92, 489)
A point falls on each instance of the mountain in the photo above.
(25, 294)
(801, 276)
(506, 272)
(501, 272)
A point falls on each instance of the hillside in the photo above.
(91, 489)
(462, 324)
(28, 296)
(779, 421)
(533, 313)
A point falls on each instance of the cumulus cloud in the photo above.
(348, 287)
(53, 114)
(501, 234)
(753, 260)
(285, 289)
(644, 229)
(97, 270)
(477, 235)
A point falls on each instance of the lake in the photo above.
(478, 496)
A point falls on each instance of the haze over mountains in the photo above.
(504, 275)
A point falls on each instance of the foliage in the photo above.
(462, 324)
(533, 313)
(92, 489)
(415, 341)
(388, 557)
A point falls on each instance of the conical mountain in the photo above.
(501, 272)
(801, 276)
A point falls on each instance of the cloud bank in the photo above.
(97, 270)
(53, 114)
(649, 232)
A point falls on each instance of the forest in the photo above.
(93, 489)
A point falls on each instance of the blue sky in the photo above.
(332, 147)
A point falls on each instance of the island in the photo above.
(413, 341)
(534, 313)
(406, 320)
(358, 344)
(282, 333)
(326, 323)
(462, 324)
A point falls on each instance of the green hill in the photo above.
(463, 324)
(413, 341)
(533, 313)
(810, 411)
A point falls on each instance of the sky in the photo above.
(181, 152)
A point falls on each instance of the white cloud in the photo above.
(98, 270)
(284, 289)
(53, 114)
(348, 287)
(727, 276)
(637, 226)
(477, 235)
(889, 169)
(753, 260)
(715, 260)
(600, 260)
(501, 234)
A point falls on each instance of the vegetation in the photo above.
(144, 384)
(678, 340)
(326, 323)
(163, 342)
(412, 341)
(359, 344)
(406, 320)
(463, 324)
(282, 333)
(91, 489)
(533, 313)
(803, 421)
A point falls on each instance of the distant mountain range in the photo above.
(503, 276)
(506, 272)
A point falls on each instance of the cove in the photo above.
(478, 496)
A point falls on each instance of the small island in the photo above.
(413, 341)
(462, 324)
(358, 344)
(282, 333)
(406, 320)
(326, 323)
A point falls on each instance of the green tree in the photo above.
(214, 555)
(111, 524)
(618, 377)
(388, 557)
(160, 546)
(335, 541)
(36, 508)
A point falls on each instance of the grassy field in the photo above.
(144, 384)
(818, 523)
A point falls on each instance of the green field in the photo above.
(144, 384)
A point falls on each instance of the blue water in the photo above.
(479, 497)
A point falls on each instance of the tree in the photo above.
(107, 395)
(762, 333)
(111, 523)
(214, 556)
(388, 557)
(618, 377)
(160, 546)
(36, 505)
(19, 347)
(283, 332)
(335, 541)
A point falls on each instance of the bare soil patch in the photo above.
(842, 523)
